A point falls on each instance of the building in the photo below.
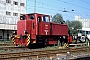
(10, 11)
(85, 24)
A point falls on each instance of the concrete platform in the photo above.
(78, 44)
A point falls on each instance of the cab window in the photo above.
(45, 19)
(31, 16)
(39, 18)
(23, 17)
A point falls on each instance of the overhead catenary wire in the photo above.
(39, 9)
(60, 10)
(67, 2)
(85, 1)
(73, 4)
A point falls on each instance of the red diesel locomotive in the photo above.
(36, 29)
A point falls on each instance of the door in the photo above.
(43, 25)
(33, 26)
(39, 24)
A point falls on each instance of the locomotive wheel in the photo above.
(32, 46)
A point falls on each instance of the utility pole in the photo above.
(34, 6)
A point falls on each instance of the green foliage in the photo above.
(6, 41)
(76, 25)
(58, 18)
(73, 26)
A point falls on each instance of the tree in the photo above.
(76, 25)
(68, 23)
(73, 26)
(58, 18)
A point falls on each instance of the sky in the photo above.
(51, 7)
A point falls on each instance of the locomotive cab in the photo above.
(30, 27)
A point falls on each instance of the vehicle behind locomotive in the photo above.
(36, 29)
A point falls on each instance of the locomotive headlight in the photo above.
(25, 32)
(14, 32)
(64, 37)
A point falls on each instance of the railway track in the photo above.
(13, 49)
(35, 53)
(6, 44)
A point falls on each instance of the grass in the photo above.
(51, 47)
(6, 41)
(55, 47)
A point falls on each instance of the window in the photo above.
(31, 16)
(0, 37)
(15, 14)
(15, 3)
(39, 18)
(22, 17)
(88, 32)
(21, 4)
(8, 13)
(45, 19)
(8, 1)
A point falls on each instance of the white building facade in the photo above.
(85, 24)
(10, 11)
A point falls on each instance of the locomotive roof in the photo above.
(35, 13)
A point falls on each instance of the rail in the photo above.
(40, 53)
(6, 44)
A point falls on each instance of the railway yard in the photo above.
(10, 52)
(27, 34)
(42, 40)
